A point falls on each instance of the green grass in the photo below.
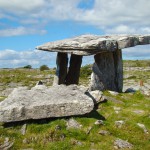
(2, 98)
(43, 135)
(136, 63)
(24, 76)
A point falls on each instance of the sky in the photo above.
(25, 24)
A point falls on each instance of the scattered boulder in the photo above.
(142, 126)
(117, 109)
(97, 96)
(130, 90)
(119, 123)
(113, 93)
(145, 89)
(119, 144)
(99, 122)
(103, 132)
(72, 123)
(75, 142)
(43, 102)
(7, 144)
(139, 112)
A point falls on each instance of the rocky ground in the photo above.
(120, 121)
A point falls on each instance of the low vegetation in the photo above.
(44, 67)
(52, 134)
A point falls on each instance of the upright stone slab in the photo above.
(74, 70)
(61, 72)
(118, 69)
(107, 71)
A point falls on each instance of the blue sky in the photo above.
(27, 24)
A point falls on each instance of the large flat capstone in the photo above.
(93, 44)
(43, 102)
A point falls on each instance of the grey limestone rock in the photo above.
(142, 126)
(97, 96)
(103, 132)
(72, 123)
(43, 102)
(7, 144)
(93, 44)
(107, 71)
(119, 123)
(99, 122)
(119, 143)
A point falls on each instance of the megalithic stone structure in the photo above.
(107, 71)
(107, 50)
(61, 70)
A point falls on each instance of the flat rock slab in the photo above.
(93, 44)
(43, 102)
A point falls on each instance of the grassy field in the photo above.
(52, 134)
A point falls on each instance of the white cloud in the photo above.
(115, 16)
(12, 58)
(123, 29)
(21, 6)
(20, 31)
(138, 52)
(35, 58)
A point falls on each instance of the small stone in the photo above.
(103, 132)
(62, 136)
(89, 130)
(72, 123)
(115, 147)
(99, 122)
(142, 126)
(138, 112)
(113, 93)
(24, 141)
(23, 129)
(57, 127)
(117, 108)
(119, 123)
(97, 96)
(119, 143)
(130, 90)
(79, 143)
(75, 142)
(7, 144)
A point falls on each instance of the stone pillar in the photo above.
(118, 69)
(74, 70)
(107, 71)
(61, 71)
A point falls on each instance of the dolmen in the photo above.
(107, 50)
(65, 97)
